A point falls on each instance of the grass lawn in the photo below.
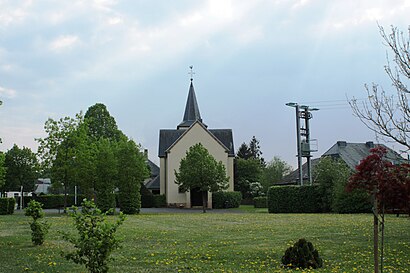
(251, 241)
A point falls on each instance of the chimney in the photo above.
(370, 144)
(341, 144)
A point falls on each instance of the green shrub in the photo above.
(96, 237)
(260, 202)
(356, 201)
(54, 201)
(7, 205)
(302, 255)
(105, 200)
(4, 206)
(147, 198)
(294, 199)
(226, 199)
(11, 205)
(130, 202)
(38, 227)
(160, 201)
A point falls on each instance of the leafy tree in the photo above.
(96, 238)
(101, 124)
(387, 115)
(274, 171)
(132, 172)
(2, 170)
(199, 169)
(57, 150)
(22, 167)
(246, 172)
(106, 173)
(380, 179)
(328, 173)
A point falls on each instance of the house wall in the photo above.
(196, 134)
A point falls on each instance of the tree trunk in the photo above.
(382, 241)
(204, 201)
(375, 235)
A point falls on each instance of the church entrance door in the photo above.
(196, 197)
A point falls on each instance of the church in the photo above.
(174, 143)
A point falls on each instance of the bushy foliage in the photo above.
(302, 255)
(11, 205)
(4, 206)
(294, 199)
(226, 199)
(39, 227)
(260, 202)
(160, 200)
(147, 198)
(256, 189)
(96, 237)
(274, 172)
(132, 172)
(53, 201)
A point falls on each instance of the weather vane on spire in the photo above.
(191, 72)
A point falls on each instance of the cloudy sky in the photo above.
(57, 58)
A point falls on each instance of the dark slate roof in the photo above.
(154, 169)
(192, 113)
(293, 177)
(153, 184)
(168, 137)
(353, 153)
(350, 153)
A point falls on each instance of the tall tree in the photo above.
(132, 170)
(255, 150)
(244, 152)
(106, 174)
(101, 124)
(22, 169)
(378, 178)
(274, 171)
(57, 151)
(383, 113)
(247, 172)
(199, 169)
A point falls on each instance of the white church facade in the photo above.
(174, 143)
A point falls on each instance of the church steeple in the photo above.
(192, 113)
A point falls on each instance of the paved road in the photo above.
(154, 211)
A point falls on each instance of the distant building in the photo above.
(174, 143)
(350, 153)
(42, 185)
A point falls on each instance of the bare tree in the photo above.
(389, 115)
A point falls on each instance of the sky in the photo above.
(250, 58)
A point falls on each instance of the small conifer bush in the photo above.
(39, 227)
(302, 255)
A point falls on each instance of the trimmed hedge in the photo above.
(54, 201)
(260, 202)
(226, 199)
(294, 199)
(7, 206)
(160, 201)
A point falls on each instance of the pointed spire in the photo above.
(192, 113)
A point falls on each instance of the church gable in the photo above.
(195, 134)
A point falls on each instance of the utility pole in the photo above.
(303, 111)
